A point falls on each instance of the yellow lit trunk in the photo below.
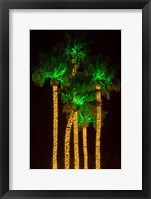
(75, 124)
(85, 147)
(75, 68)
(76, 146)
(55, 126)
(67, 141)
(98, 130)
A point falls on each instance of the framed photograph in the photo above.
(75, 99)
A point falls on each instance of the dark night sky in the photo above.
(108, 44)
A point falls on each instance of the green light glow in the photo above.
(76, 50)
(78, 100)
(79, 91)
(76, 47)
(85, 119)
(52, 67)
(87, 115)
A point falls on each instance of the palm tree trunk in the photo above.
(75, 124)
(67, 141)
(76, 146)
(55, 126)
(75, 68)
(68, 129)
(85, 147)
(98, 130)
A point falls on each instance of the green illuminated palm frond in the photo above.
(87, 115)
(97, 70)
(79, 91)
(52, 67)
(56, 69)
(76, 47)
(103, 75)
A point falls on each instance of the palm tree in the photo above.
(86, 115)
(71, 111)
(104, 79)
(74, 96)
(53, 67)
(76, 51)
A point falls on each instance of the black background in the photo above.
(108, 44)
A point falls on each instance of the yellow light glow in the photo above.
(98, 130)
(74, 69)
(55, 126)
(85, 147)
(67, 141)
(76, 146)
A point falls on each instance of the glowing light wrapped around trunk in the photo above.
(55, 126)
(74, 70)
(67, 141)
(85, 147)
(76, 146)
(98, 130)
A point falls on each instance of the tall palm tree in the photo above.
(86, 115)
(76, 50)
(53, 67)
(76, 94)
(105, 80)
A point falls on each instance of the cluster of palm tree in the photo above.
(81, 80)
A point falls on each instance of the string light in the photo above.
(67, 141)
(55, 125)
(85, 147)
(98, 130)
(76, 146)
(75, 124)
(74, 69)
(68, 130)
(73, 119)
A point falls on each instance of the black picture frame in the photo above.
(5, 5)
